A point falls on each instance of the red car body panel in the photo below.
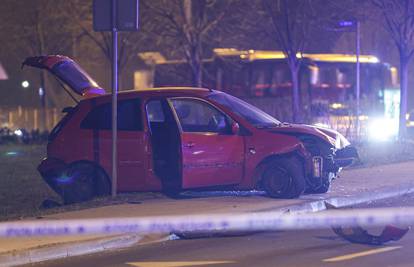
(209, 160)
(265, 145)
(206, 159)
(221, 159)
(65, 69)
(212, 159)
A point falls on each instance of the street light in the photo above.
(354, 25)
(25, 84)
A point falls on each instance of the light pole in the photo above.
(358, 77)
(354, 25)
(114, 98)
(114, 16)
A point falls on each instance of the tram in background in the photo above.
(327, 87)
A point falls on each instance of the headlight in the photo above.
(383, 129)
(321, 125)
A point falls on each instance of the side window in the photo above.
(129, 116)
(98, 118)
(198, 116)
(155, 112)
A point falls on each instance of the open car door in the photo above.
(67, 71)
(212, 155)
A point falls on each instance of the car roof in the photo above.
(169, 90)
(159, 91)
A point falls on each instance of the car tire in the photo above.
(284, 178)
(78, 185)
(321, 189)
(102, 183)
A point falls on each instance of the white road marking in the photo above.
(175, 263)
(361, 254)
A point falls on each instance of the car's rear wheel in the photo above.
(77, 183)
(284, 178)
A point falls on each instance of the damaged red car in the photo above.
(177, 139)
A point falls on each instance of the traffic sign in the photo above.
(126, 14)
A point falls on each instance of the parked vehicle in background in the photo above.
(177, 138)
(327, 86)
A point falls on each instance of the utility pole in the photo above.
(353, 24)
(113, 16)
(358, 78)
(114, 99)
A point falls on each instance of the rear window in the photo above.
(72, 74)
(129, 116)
(57, 129)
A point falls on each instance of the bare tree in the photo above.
(398, 17)
(35, 28)
(188, 23)
(292, 22)
(80, 12)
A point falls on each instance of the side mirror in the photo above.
(235, 128)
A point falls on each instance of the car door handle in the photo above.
(189, 145)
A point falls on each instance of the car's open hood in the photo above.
(69, 72)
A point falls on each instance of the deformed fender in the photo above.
(299, 152)
(50, 166)
(49, 169)
(53, 172)
(268, 145)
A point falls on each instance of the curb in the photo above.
(64, 250)
(341, 201)
(57, 251)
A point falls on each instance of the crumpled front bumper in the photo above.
(345, 156)
(335, 162)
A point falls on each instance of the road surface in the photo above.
(288, 249)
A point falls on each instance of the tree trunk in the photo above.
(403, 97)
(43, 102)
(296, 115)
(194, 55)
(196, 68)
(198, 76)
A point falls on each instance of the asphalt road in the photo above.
(288, 249)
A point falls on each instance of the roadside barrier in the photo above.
(211, 222)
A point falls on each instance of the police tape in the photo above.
(259, 221)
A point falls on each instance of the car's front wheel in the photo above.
(284, 178)
(321, 187)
